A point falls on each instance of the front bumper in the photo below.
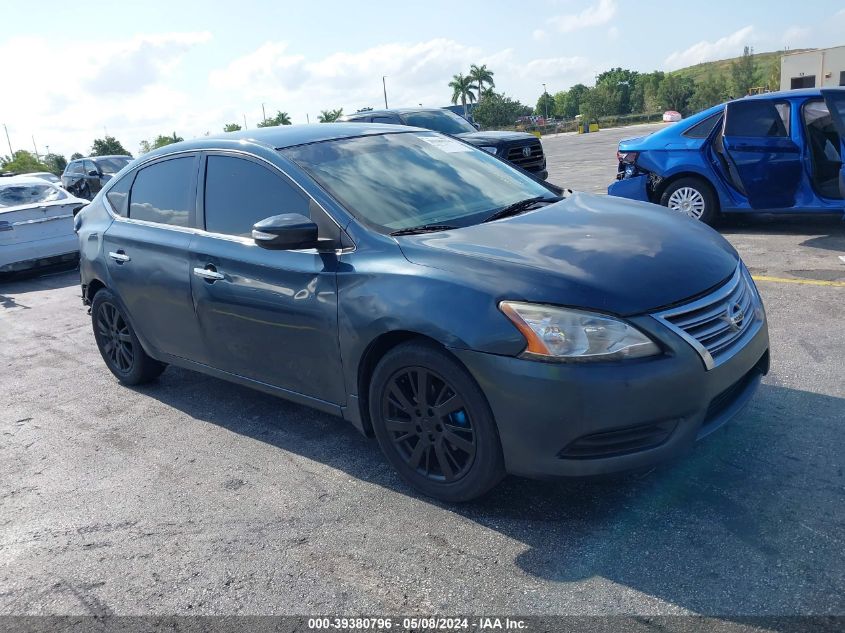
(569, 419)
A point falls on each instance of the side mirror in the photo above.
(477, 126)
(286, 232)
(93, 172)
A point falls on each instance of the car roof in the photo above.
(396, 111)
(96, 158)
(283, 136)
(797, 93)
(26, 179)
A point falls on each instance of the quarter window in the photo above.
(75, 168)
(119, 193)
(703, 128)
(162, 192)
(239, 193)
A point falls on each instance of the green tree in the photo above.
(108, 146)
(623, 82)
(545, 105)
(481, 76)
(76, 156)
(281, 118)
(56, 163)
(462, 90)
(22, 162)
(568, 103)
(604, 99)
(162, 140)
(646, 92)
(145, 147)
(497, 110)
(744, 73)
(709, 92)
(231, 127)
(330, 116)
(675, 92)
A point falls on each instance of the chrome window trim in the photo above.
(711, 299)
(40, 220)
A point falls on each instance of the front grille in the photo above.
(721, 323)
(516, 156)
(619, 441)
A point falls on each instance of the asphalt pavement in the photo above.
(195, 496)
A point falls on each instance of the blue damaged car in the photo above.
(778, 152)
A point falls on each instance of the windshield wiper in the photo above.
(519, 207)
(423, 228)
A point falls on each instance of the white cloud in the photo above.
(539, 35)
(728, 46)
(796, 35)
(594, 15)
(116, 85)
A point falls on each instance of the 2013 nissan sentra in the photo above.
(429, 293)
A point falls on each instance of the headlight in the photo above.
(489, 149)
(565, 335)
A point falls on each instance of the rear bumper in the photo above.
(634, 188)
(28, 255)
(568, 420)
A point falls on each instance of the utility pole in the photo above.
(11, 152)
(35, 147)
(245, 127)
(263, 114)
(546, 103)
(307, 118)
(384, 85)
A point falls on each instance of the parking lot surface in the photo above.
(191, 495)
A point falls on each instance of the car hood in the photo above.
(597, 252)
(477, 138)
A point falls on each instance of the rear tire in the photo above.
(433, 423)
(693, 197)
(118, 344)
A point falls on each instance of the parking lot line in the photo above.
(808, 282)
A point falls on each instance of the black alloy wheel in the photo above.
(117, 341)
(119, 346)
(429, 424)
(433, 422)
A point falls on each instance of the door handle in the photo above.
(209, 274)
(119, 256)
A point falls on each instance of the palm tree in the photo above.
(330, 116)
(462, 89)
(480, 75)
(281, 118)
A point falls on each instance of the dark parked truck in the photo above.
(523, 150)
(473, 320)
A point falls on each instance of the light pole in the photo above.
(546, 103)
(384, 85)
(11, 153)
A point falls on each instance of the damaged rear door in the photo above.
(762, 160)
(835, 100)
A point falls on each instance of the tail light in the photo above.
(627, 157)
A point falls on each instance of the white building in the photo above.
(818, 68)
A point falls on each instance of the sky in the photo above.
(73, 72)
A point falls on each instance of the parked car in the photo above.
(432, 295)
(86, 176)
(774, 152)
(522, 149)
(46, 175)
(671, 116)
(36, 224)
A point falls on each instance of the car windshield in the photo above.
(438, 120)
(399, 181)
(113, 164)
(18, 194)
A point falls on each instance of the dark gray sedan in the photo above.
(429, 293)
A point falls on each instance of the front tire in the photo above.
(118, 344)
(693, 197)
(433, 423)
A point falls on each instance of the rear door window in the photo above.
(164, 192)
(754, 118)
(240, 192)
